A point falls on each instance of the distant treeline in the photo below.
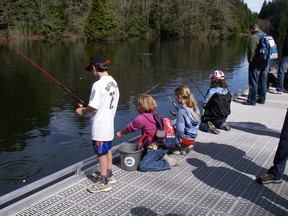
(120, 19)
(274, 17)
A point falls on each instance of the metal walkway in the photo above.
(215, 178)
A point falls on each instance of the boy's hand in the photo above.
(119, 134)
(80, 111)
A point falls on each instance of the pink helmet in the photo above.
(218, 74)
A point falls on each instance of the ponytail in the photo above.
(185, 93)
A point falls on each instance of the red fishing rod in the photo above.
(81, 102)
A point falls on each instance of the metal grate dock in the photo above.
(215, 178)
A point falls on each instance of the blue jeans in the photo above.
(281, 156)
(258, 73)
(153, 161)
(280, 76)
(216, 122)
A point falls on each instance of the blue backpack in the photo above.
(267, 48)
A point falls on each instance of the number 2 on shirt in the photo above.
(112, 99)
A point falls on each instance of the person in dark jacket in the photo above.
(258, 69)
(283, 67)
(275, 172)
(216, 105)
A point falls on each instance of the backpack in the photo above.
(165, 130)
(267, 48)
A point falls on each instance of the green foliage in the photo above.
(118, 19)
(54, 18)
(276, 13)
(101, 22)
(133, 19)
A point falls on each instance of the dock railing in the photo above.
(61, 175)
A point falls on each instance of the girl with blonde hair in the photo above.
(155, 157)
(188, 119)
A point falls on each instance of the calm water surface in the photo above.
(39, 132)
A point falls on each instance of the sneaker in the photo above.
(187, 149)
(266, 179)
(225, 126)
(276, 92)
(94, 175)
(212, 128)
(111, 180)
(172, 161)
(176, 152)
(99, 187)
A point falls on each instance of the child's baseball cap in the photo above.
(218, 74)
(97, 59)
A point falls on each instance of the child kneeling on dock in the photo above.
(216, 105)
(188, 120)
(155, 156)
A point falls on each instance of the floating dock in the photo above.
(216, 178)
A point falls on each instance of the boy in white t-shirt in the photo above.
(102, 104)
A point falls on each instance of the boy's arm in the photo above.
(83, 110)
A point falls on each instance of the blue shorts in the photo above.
(101, 147)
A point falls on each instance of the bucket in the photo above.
(130, 156)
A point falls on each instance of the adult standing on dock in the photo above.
(258, 69)
(274, 174)
(103, 103)
(283, 67)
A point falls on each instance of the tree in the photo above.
(101, 22)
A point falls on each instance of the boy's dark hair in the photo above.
(100, 63)
(101, 67)
(218, 83)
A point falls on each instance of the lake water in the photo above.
(39, 131)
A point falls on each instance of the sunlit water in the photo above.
(39, 131)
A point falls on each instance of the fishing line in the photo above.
(42, 70)
(151, 74)
(194, 84)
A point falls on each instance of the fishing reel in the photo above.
(173, 112)
(79, 105)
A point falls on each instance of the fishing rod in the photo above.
(151, 89)
(45, 72)
(151, 74)
(194, 84)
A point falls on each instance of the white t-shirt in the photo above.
(104, 97)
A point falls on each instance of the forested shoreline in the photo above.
(120, 19)
(94, 20)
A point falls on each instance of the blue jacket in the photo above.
(212, 91)
(187, 124)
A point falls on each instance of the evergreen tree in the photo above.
(101, 22)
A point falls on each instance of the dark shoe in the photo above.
(212, 129)
(248, 103)
(266, 179)
(260, 102)
(225, 126)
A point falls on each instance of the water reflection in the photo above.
(39, 132)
